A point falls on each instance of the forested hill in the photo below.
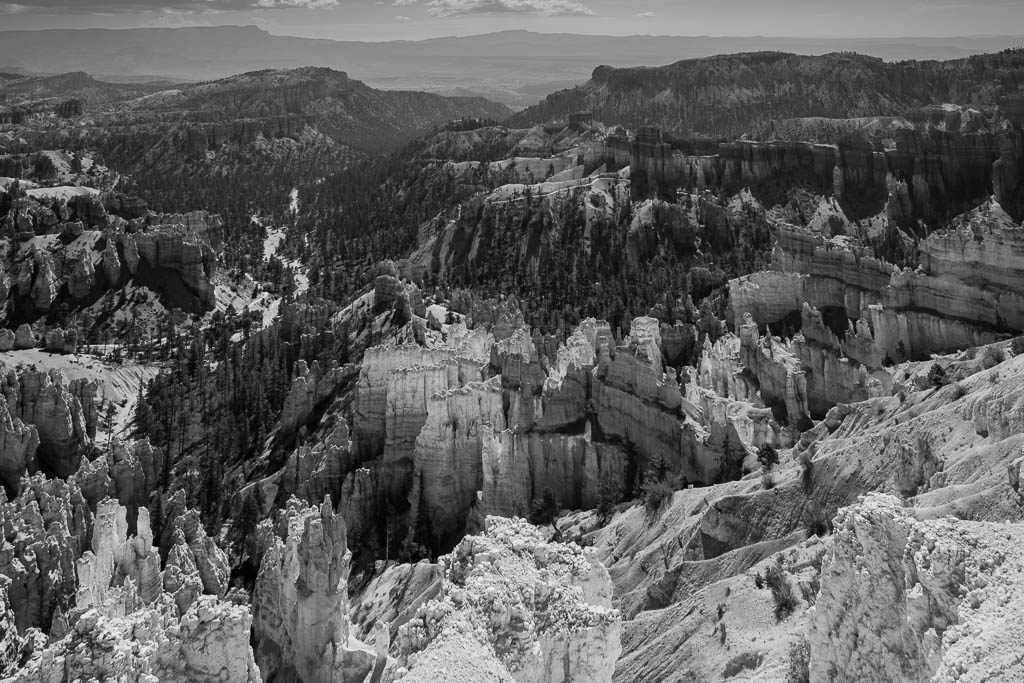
(729, 94)
(346, 109)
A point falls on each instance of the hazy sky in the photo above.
(387, 19)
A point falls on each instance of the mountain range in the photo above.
(514, 67)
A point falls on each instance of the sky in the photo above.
(416, 19)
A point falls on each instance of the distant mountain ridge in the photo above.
(345, 109)
(514, 67)
(19, 89)
(728, 95)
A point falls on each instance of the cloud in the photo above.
(166, 6)
(402, 18)
(644, 14)
(548, 8)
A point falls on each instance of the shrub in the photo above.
(799, 662)
(458, 570)
(807, 476)
(959, 391)
(767, 456)
(768, 481)
(545, 509)
(740, 663)
(655, 494)
(607, 497)
(758, 581)
(937, 376)
(816, 522)
(992, 356)
(782, 591)
(1017, 345)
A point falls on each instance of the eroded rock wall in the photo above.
(300, 611)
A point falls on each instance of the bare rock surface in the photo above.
(918, 600)
(514, 607)
(124, 625)
(300, 610)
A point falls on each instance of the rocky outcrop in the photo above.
(693, 95)
(44, 285)
(471, 426)
(300, 608)
(61, 341)
(311, 385)
(18, 445)
(111, 263)
(63, 413)
(449, 454)
(396, 381)
(318, 468)
(961, 295)
(115, 558)
(518, 215)
(126, 473)
(802, 377)
(394, 597)
(125, 626)
(72, 250)
(915, 601)
(179, 248)
(209, 643)
(24, 337)
(515, 608)
(46, 528)
(11, 644)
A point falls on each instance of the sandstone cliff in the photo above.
(300, 608)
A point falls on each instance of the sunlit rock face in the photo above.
(514, 607)
(962, 295)
(477, 423)
(129, 620)
(300, 606)
(911, 600)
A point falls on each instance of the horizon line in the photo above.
(532, 32)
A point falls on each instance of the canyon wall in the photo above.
(75, 243)
(470, 425)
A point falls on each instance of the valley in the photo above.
(707, 371)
